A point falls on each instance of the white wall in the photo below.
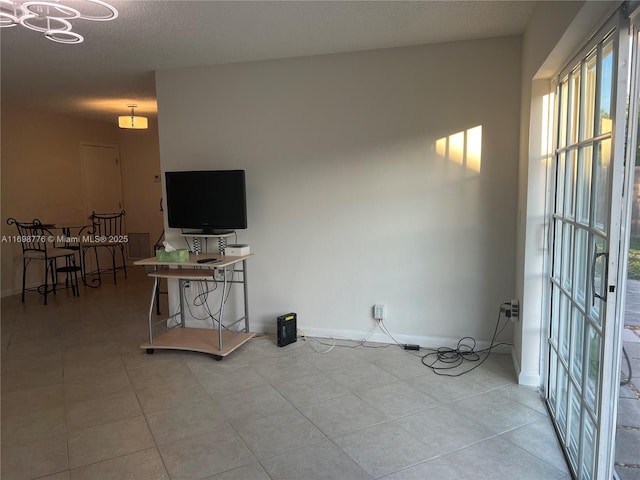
(349, 203)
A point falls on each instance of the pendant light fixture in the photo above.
(53, 17)
(131, 121)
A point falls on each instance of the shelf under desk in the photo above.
(203, 340)
(222, 261)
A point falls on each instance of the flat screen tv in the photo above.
(210, 201)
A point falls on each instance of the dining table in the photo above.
(73, 235)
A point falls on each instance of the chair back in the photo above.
(32, 237)
(108, 224)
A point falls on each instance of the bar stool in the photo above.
(107, 232)
(37, 245)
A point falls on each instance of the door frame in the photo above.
(614, 316)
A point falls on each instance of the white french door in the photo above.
(586, 226)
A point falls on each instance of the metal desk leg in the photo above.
(153, 294)
(158, 298)
(246, 295)
(181, 287)
(224, 291)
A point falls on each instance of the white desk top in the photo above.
(222, 261)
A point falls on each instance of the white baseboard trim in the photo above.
(17, 290)
(529, 379)
(11, 292)
(525, 378)
(516, 361)
(380, 337)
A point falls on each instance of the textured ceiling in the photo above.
(116, 63)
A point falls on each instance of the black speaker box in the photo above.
(287, 329)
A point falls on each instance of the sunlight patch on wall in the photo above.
(474, 148)
(456, 148)
(463, 148)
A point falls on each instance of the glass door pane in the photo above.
(581, 267)
(606, 89)
(601, 183)
(583, 198)
(577, 344)
(594, 355)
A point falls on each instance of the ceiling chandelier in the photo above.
(53, 18)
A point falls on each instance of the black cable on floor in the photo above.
(444, 358)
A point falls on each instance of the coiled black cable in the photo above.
(443, 359)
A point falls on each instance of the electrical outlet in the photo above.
(378, 312)
(515, 309)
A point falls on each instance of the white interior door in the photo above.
(102, 182)
(102, 185)
(585, 328)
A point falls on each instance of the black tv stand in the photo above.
(199, 236)
(208, 232)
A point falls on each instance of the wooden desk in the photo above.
(218, 342)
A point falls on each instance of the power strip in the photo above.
(515, 308)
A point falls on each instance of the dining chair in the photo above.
(71, 268)
(38, 245)
(106, 233)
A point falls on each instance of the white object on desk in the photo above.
(237, 250)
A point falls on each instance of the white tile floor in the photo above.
(81, 401)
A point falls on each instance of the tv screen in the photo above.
(213, 201)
